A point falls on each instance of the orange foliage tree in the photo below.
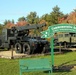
(62, 19)
(43, 21)
(21, 23)
(71, 18)
(9, 25)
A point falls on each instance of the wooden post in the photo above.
(60, 47)
(12, 52)
(65, 45)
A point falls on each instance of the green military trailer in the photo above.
(66, 38)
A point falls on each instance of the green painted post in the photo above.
(52, 50)
(54, 29)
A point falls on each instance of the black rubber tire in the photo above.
(18, 48)
(26, 48)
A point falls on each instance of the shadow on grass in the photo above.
(64, 67)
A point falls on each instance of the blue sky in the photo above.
(13, 9)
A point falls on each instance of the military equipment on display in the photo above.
(18, 36)
(66, 38)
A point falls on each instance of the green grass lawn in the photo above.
(11, 67)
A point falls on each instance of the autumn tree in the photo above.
(63, 19)
(45, 27)
(32, 18)
(8, 21)
(22, 18)
(21, 21)
(71, 18)
(1, 27)
(74, 10)
(9, 25)
(46, 18)
(53, 17)
(13, 21)
(55, 14)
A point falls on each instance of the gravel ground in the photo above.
(8, 54)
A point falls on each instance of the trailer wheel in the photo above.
(26, 48)
(18, 48)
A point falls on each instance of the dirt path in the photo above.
(8, 54)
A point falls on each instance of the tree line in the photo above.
(54, 17)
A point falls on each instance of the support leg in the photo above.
(49, 72)
(20, 73)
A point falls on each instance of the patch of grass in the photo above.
(11, 67)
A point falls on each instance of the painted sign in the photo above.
(46, 34)
(58, 28)
(54, 29)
